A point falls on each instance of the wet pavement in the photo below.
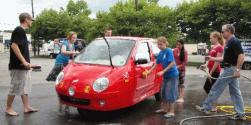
(44, 97)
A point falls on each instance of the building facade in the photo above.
(5, 37)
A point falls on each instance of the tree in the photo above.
(150, 20)
(198, 19)
(51, 24)
(78, 7)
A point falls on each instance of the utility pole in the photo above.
(33, 37)
(136, 5)
(32, 9)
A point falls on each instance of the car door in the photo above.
(143, 85)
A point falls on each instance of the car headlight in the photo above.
(60, 78)
(100, 84)
(71, 91)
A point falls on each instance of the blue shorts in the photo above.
(169, 90)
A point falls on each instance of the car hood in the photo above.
(85, 73)
(81, 75)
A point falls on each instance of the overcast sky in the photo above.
(9, 9)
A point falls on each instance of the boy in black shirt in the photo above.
(19, 66)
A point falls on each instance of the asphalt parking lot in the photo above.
(44, 98)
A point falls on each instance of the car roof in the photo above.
(128, 38)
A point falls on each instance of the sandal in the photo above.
(169, 115)
(160, 111)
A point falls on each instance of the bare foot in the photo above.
(30, 110)
(11, 112)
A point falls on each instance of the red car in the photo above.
(107, 75)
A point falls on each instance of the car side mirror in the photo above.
(141, 61)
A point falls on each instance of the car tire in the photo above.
(158, 97)
(246, 66)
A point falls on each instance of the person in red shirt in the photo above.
(217, 49)
(180, 55)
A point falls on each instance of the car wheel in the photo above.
(246, 66)
(158, 97)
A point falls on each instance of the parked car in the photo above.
(246, 45)
(79, 44)
(97, 80)
(53, 48)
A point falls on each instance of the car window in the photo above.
(143, 52)
(97, 52)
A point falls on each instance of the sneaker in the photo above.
(202, 109)
(238, 117)
(180, 100)
(169, 115)
(160, 111)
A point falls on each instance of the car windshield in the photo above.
(97, 52)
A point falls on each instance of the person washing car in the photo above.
(170, 78)
(217, 49)
(180, 56)
(217, 42)
(67, 52)
(232, 61)
(108, 32)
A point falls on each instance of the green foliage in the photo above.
(78, 7)
(51, 24)
(198, 19)
(192, 20)
(151, 20)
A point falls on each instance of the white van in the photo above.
(246, 45)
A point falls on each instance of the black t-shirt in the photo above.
(232, 50)
(19, 37)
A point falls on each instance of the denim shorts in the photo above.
(169, 90)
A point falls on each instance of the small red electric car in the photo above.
(107, 75)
